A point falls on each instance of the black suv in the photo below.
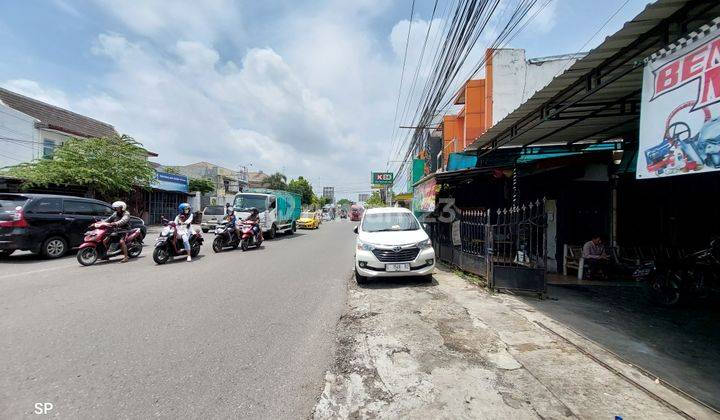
(49, 224)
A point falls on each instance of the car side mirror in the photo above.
(355, 229)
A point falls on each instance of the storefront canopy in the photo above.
(526, 159)
(598, 97)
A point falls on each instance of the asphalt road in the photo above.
(236, 334)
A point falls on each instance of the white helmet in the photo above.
(119, 204)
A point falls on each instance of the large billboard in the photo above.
(679, 118)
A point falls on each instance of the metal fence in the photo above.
(519, 236)
(473, 231)
(506, 246)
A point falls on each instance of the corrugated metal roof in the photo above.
(618, 60)
(56, 118)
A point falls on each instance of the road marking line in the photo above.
(34, 271)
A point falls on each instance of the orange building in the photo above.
(463, 128)
(510, 79)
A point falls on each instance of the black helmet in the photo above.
(254, 211)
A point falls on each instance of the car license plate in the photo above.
(397, 267)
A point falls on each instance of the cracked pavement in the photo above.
(449, 349)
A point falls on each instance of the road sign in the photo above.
(382, 178)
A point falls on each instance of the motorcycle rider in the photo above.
(183, 222)
(231, 219)
(119, 219)
(255, 217)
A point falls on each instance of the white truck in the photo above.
(279, 210)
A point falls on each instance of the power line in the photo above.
(428, 82)
(395, 152)
(505, 37)
(622, 6)
(411, 91)
(605, 23)
(469, 21)
(13, 158)
(402, 73)
(459, 41)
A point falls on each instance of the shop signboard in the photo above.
(170, 182)
(382, 178)
(418, 171)
(680, 113)
(424, 196)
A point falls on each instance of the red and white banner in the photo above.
(679, 118)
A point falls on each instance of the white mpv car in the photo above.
(391, 243)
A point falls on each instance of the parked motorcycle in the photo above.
(170, 244)
(693, 276)
(249, 237)
(93, 246)
(226, 235)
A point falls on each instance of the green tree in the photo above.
(319, 201)
(203, 185)
(344, 201)
(302, 187)
(375, 200)
(171, 170)
(276, 181)
(106, 166)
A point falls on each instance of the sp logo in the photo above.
(43, 407)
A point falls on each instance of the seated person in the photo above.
(232, 221)
(183, 221)
(255, 217)
(596, 259)
(119, 220)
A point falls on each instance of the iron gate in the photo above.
(519, 248)
(508, 247)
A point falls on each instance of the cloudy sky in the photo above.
(304, 87)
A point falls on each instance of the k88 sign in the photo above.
(382, 178)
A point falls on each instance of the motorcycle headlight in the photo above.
(424, 244)
(365, 246)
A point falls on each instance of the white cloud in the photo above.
(319, 102)
(191, 106)
(166, 20)
(33, 90)
(322, 101)
(546, 18)
(66, 7)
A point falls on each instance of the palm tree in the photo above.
(276, 181)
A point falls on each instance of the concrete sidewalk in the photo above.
(452, 350)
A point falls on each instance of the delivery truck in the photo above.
(279, 210)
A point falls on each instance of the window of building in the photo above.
(48, 148)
